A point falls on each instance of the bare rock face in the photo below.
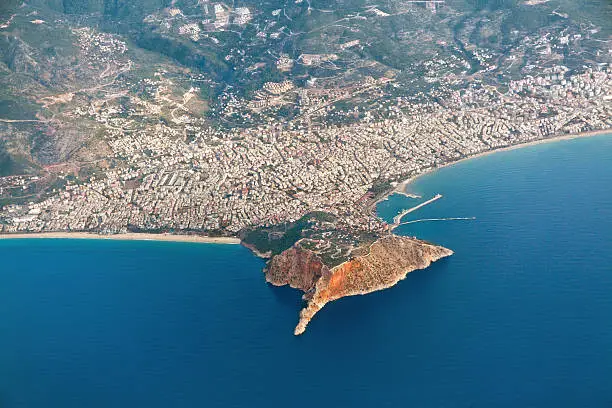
(296, 267)
(388, 261)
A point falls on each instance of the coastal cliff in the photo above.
(296, 267)
(386, 261)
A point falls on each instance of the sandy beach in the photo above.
(401, 187)
(125, 237)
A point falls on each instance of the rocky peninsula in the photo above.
(384, 262)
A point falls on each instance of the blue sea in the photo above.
(520, 316)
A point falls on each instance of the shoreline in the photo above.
(400, 188)
(131, 236)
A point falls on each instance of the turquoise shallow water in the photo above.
(520, 316)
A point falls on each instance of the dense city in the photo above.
(294, 146)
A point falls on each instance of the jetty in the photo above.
(409, 195)
(398, 218)
(435, 219)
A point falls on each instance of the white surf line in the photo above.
(436, 219)
(21, 120)
(398, 218)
